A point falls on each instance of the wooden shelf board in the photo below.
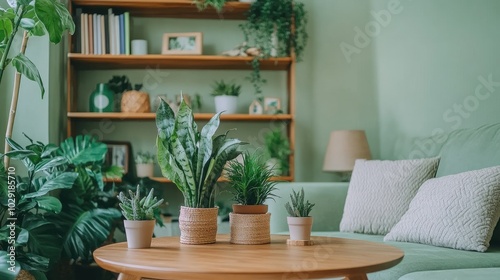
(167, 8)
(218, 62)
(152, 116)
(111, 180)
(281, 178)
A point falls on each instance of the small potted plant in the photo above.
(251, 186)
(144, 164)
(139, 215)
(278, 149)
(226, 96)
(299, 221)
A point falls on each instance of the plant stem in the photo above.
(11, 39)
(13, 103)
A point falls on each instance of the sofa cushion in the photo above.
(381, 190)
(420, 257)
(458, 211)
(492, 273)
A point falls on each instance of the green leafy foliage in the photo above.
(144, 157)
(192, 160)
(250, 180)
(223, 88)
(298, 207)
(218, 5)
(119, 84)
(136, 208)
(278, 146)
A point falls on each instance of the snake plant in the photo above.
(193, 160)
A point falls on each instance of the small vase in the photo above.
(300, 227)
(226, 103)
(139, 233)
(198, 225)
(101, 99)
(144, 170)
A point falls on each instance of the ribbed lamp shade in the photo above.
(344, 147)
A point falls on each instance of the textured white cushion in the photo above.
(458, 211)
(381, 190)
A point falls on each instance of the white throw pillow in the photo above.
(457, 211)
(381, 190)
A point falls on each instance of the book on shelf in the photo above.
(102, 33)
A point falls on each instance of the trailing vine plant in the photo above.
(218, 5)
(269, 19)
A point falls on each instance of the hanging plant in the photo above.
(269, 28)
(218, 5)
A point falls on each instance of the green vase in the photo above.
(101, 99)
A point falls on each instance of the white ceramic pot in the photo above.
(139, 233)
(144, 170)
(274, 165)
(247, 1)
(226, 103)
(300, 227)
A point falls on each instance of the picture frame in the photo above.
(255, 108)
(272, 105)
(182, 43)
(118, 154)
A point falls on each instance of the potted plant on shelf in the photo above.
(269, 26)
(194, 161)
(278, 149)
(250, 183)
(144, 164)
(139, 215)
(299, 221)
(226, 96)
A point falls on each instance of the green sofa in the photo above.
(461, 150)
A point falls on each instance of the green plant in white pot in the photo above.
(139, 215)
(299, 221)
(193, 160)
(144, 164)
(226, 96)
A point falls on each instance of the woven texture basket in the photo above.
(198, 225)
(135, 102)
(250, 229)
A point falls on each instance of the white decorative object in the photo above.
(226, 103)
(144, 170)
(139, 47)
(381, 190)
(458, 211)
(300, 227)
(255, 108)
(139, 233)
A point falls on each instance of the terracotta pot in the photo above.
(144, 170)
(198, 225)
(250, 209)
(250, 229)
(300, 227)
(139, 233)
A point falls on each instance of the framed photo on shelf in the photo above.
(182, 43)
(272, 105)
(118, 154)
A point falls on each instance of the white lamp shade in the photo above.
(344, 147)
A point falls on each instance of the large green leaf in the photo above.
(47, 12)
(65, 17)
(20, 154)
(42, 240)
(184, 130)
(82, 150)
(44, 185)
(6, 28)
(165, 120)
(88, 230)
(184, 163)
(49, 163)
(26, 67)
(49, 203)
(27, 23)
(34, 262)
(168, 166)
(5, 272)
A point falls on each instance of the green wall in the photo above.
(409, 78)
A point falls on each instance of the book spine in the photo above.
(106, 34)
(122, 34)
(77, 47)
(117, 34)
(111, 31)
(85, 33)
(97, 35)
(103, 35)
(127, 33)
(91, 34)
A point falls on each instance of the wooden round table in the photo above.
(328, 257)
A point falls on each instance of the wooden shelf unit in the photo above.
(175, 9)
(222, 179)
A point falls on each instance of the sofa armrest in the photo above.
(328, 197)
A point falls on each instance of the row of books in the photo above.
(102, 34)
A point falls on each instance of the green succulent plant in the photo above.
(298, 207)
(223, 88)
(136, 208)
(192, 159)
(250, 180)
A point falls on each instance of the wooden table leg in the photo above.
(128, 277)
(356, 277)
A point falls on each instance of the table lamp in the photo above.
(344, 147)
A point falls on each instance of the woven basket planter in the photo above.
(198, 225)
(135, 102)
(250, 229)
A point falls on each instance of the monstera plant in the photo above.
(27, 238)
